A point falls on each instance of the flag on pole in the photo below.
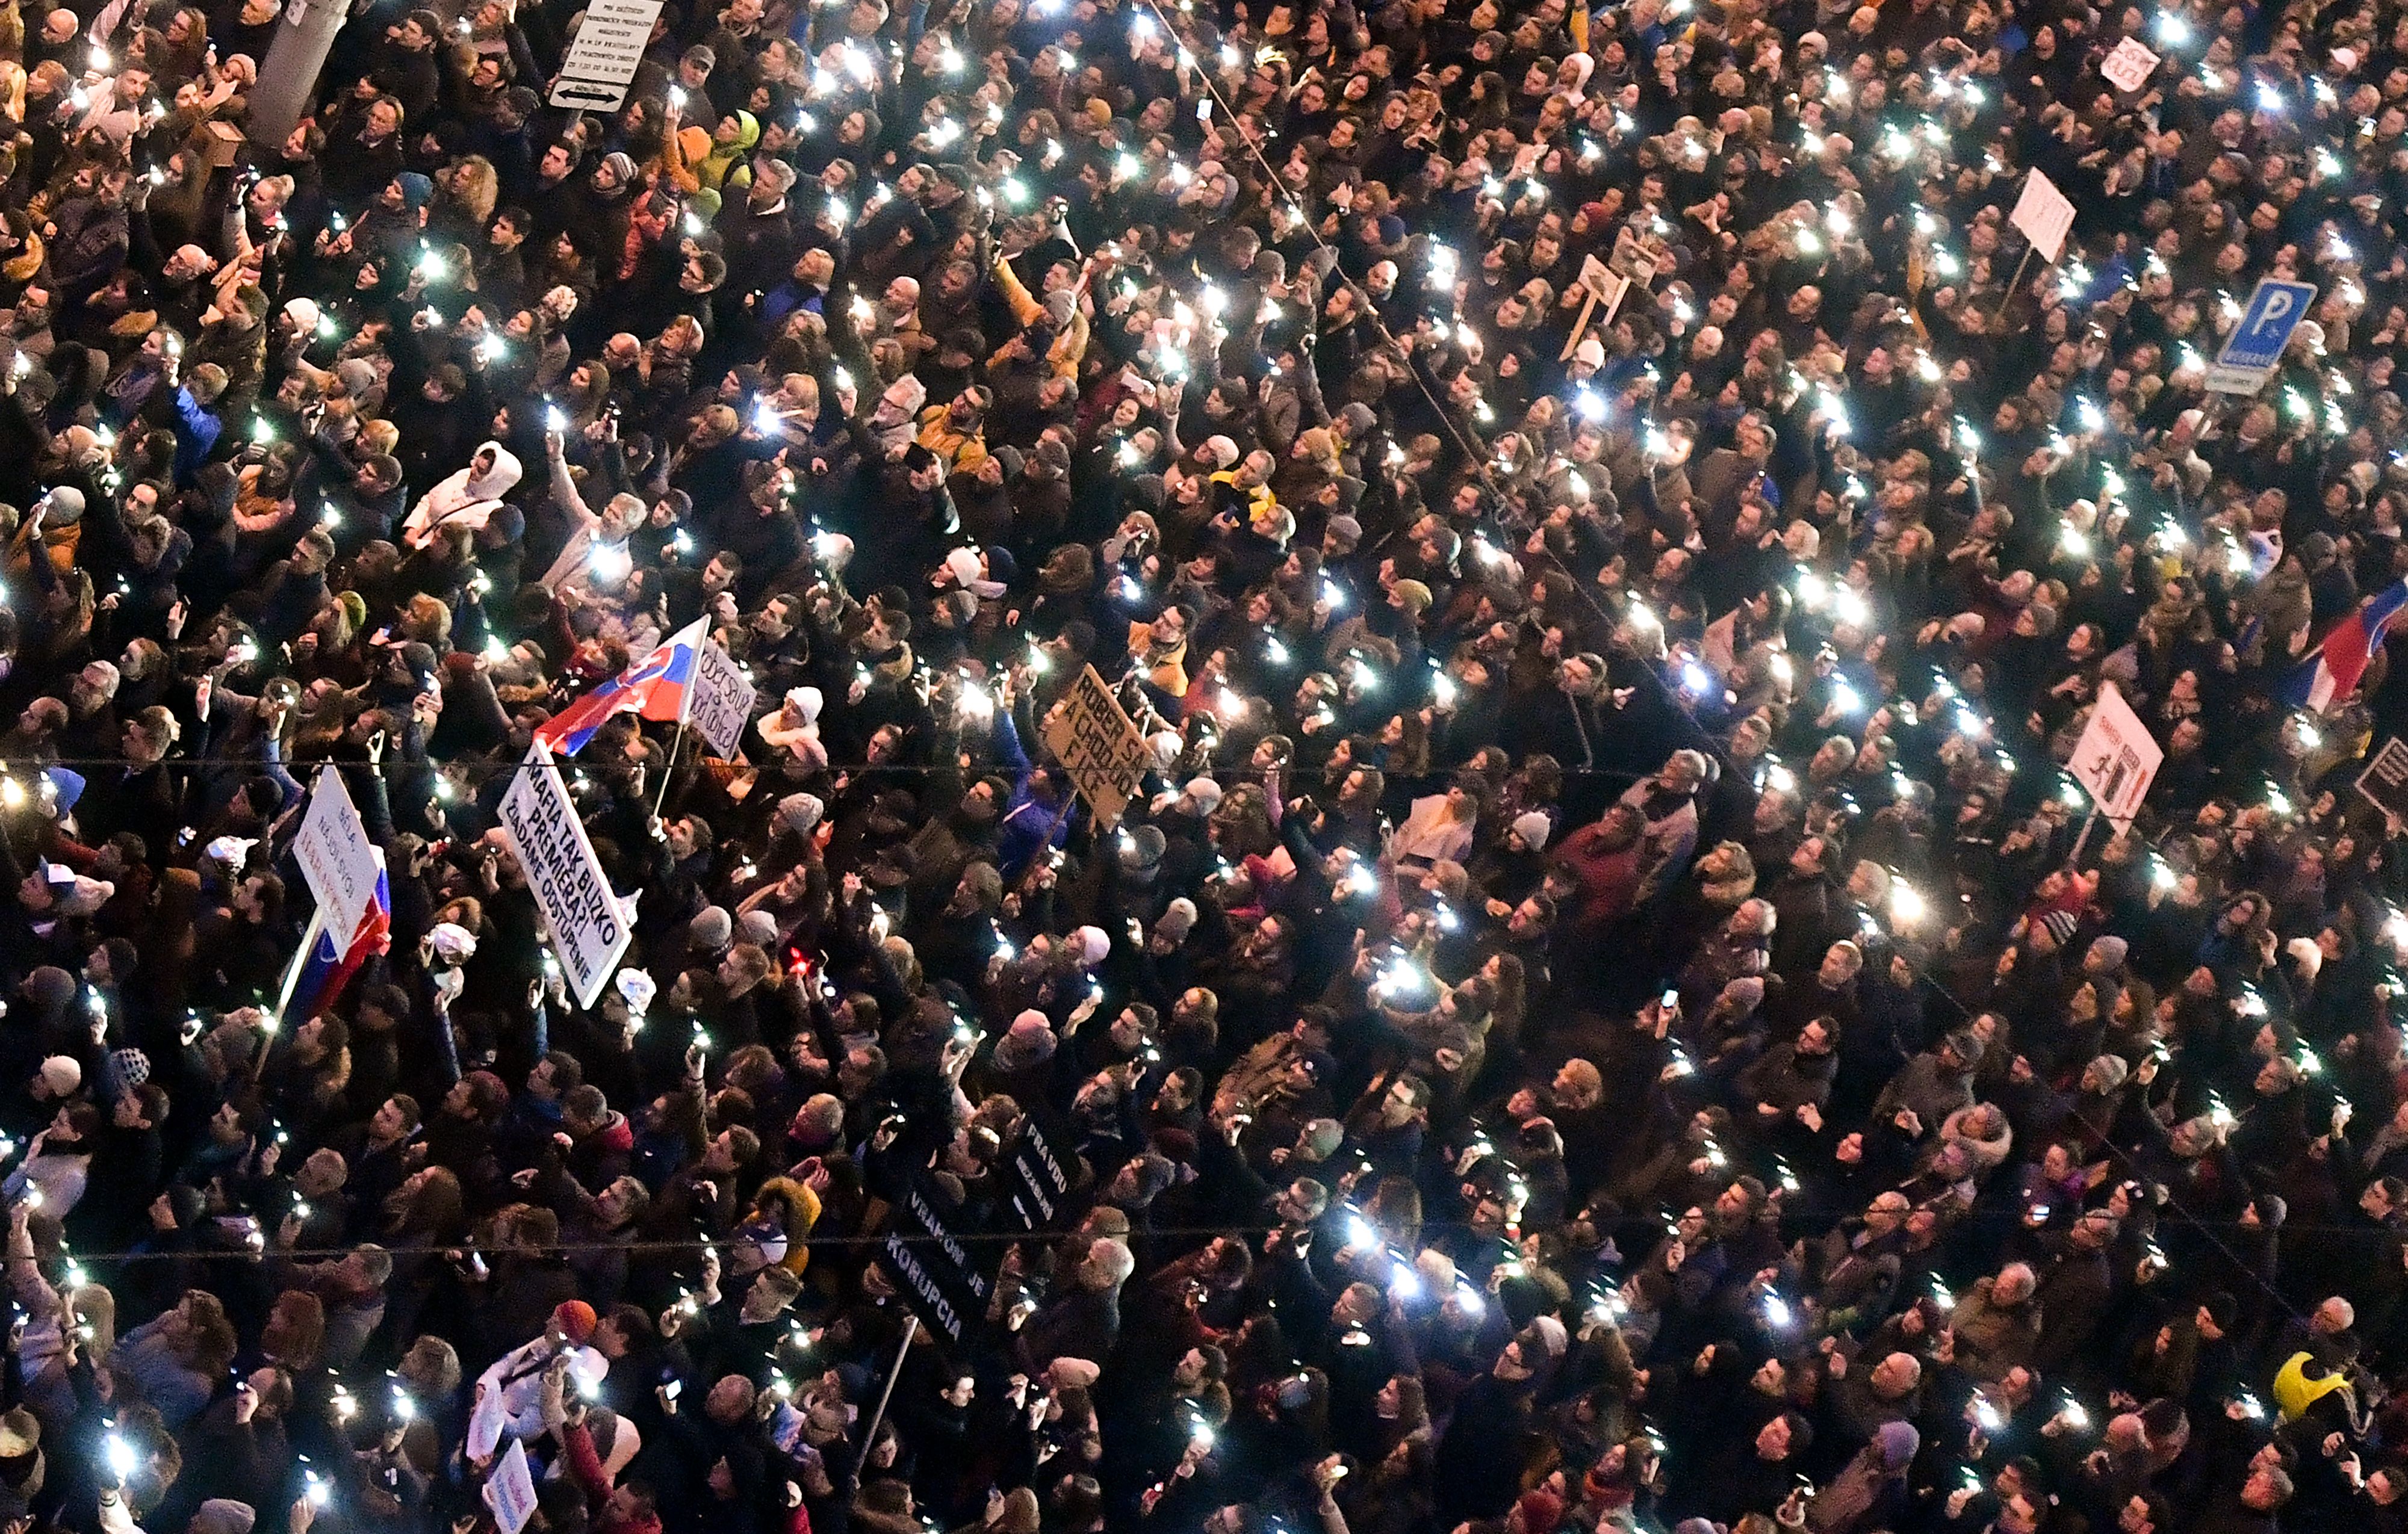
(324, 966)
(659, 687)
(2331, 674)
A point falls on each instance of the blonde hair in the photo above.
(477, 187)
(93, 1305)
(429, 620)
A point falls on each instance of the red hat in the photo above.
(1542, 1510)
(574, 1319)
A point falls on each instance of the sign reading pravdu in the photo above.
(335, 855)
(1089, 732)
(588, 929)
(603, 56)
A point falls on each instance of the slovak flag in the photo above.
(2331, 674)
(659, 687)
(327, 960)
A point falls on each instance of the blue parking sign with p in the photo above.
(2255, 349)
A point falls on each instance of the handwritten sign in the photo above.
(587, 927)
(2129, 67)
(335, 855)
(721, 699)
(1091, 734)
(2045, 214)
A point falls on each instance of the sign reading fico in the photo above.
(603, 57)
(588, 929)
(721, 699)
(1100, 750)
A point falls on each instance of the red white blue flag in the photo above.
(2330, 675)
(659, 687)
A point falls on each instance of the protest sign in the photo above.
(588, 929)
(1101, 750)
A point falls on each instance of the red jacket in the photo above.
(1608, 880)
(587, 1465)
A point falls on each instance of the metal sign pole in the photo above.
(2074, 859)
(911, 1330)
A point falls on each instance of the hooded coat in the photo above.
(61, 531)
(802, 1211)
(711, 164)
(464, 498)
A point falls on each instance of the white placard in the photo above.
(510, 1492)
(721, 699)
(2129, 67)
(2045, 215)
(2116, 758)
(337, 857)
(603, 57)
(588, 929)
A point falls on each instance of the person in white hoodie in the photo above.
(510, 1394)
(465, 498)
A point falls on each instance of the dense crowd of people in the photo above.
(1605, 1007)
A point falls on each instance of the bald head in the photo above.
(1896, 1375)
(191, 260)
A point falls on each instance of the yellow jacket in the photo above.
(2295, 1394)
(962, 451)
(1069, 349)
(802, 1213)
(1163, 668)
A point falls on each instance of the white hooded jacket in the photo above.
(464, 499)
(510, 1394)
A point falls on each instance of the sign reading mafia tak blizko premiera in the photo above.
(587, 927)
